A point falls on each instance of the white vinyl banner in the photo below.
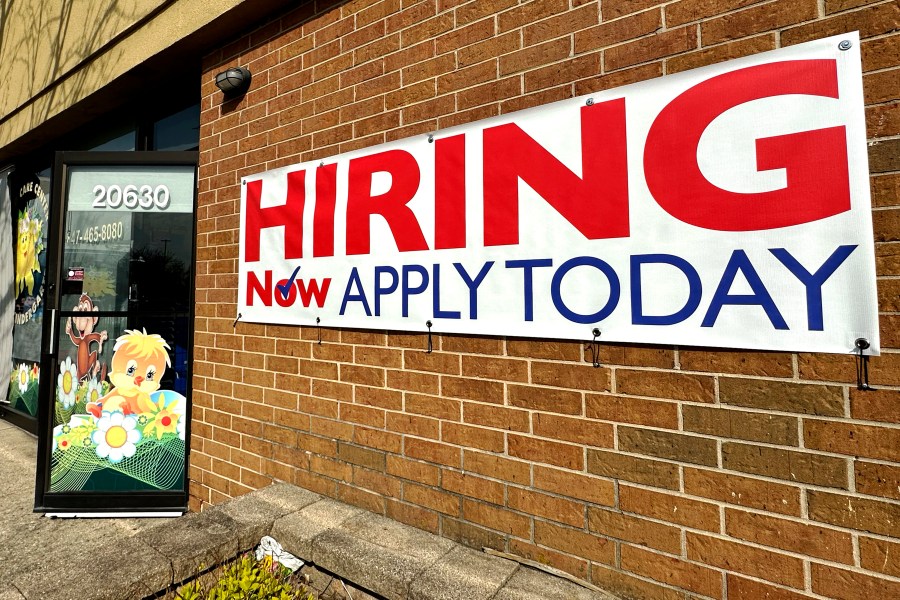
(726, 206)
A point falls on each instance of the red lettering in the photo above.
(595, 203)
(289, 215)
(816, 161)
(311, 290)
(391, 205)
(323, 216)
(450, 192)
(263, 291)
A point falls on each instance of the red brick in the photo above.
(558, 560)
(743, 491)
(433, 406)
(786, 396)
(496, 518)
(748, 560)
(663, 384)
(871, 21)
(575, 541)
(877, 479)
(608, 32)
(413, 470)
(742, 362)
(577, 430)
(802, 538)
(574, 485)
(847, 585)
(472, 486)
(416, 516)
(498, 467)
(633, 468)
(498, 417)
(772, 15)
(756, 427)
(685, 11)
(472, 389)
(549, 507)
(545, 399)
(430, 498)
(855, 512)
(432, 452)
(673, 41)
(853, 439)
(623, 409)
(634, 529)
(471, 535)
(674, 571)
(503, 369)
(879, 555)
(803, 467)
(668, 445)
(668, 507)
(544, 451)
(747, 589)
(575, 20)
(473, 437)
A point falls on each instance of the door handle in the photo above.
(53, 340)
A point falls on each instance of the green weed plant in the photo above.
(247, 579)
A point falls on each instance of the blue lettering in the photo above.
(527, 266)
(585, 261)
(358, 297)
(695, 290)
(381, 290)
(473, 284)
(760, 295)
(814, 281)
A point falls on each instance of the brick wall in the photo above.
(667, 473)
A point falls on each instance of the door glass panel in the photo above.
(123, 331)
(30, 219)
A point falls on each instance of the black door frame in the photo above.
(99, 502)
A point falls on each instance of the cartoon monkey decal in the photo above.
(138, 364)
(87, 359)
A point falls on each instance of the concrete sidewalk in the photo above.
(113, 559)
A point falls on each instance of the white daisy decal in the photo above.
(180, 427)
(67, 383)
(94, 391)
(23, 377)
(116, 436)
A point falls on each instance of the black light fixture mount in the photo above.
(234, 81)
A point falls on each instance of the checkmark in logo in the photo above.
(286, 287)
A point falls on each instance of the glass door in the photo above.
(116, 343)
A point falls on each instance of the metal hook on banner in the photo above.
(234, 325)
(319, 330)
(430, 345)
(595, 348)
(862, 365)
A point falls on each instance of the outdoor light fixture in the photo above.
(234, 81)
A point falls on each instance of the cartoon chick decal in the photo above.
(138, 364)
(28, 247)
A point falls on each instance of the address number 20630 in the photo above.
(131, 197)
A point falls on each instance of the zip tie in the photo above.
(430, 345)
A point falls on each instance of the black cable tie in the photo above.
(430, 345)
(234, 325)
(319, 330)
(862, 365)
(595, 348)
